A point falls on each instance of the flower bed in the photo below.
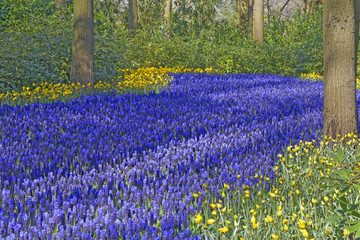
(110, 166)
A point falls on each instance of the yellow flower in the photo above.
(223, 230)
(255, 225)
(326, 232)
(304, 233)
(253, 219)
(314, 201)
(286, 228)
(213, 205)
(302, 224)
(195, 195)
(326, 198)
(198, 218)
(269, 219)
(205, 186)
(214, 212)
(226, 186)
(276, 237)
(204, 226)
(346, 232)
(211, 221)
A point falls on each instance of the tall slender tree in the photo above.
(238, 13)
(341, 36)
(251, 18)
(167, 12)
(82, 66)
(60, 8)
(259, 21)
(133, 17)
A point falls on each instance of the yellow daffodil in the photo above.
(276, 237)
(304, 233)
(302, 224)
(210, 221)
(223, 230)
(198, 218)
(269, 219)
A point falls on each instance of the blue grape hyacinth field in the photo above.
(110, 166)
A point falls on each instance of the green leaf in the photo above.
(331, 219)
(344, 174)
(357, 186)
(343, 203)
(354, 213)
(340, 212)
(355, 227)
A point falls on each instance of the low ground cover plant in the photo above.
(127, 166)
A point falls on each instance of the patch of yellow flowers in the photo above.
(129, 79)
(317, 77)
(297, 204)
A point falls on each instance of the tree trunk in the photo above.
(238, 13)
(82, 67)
(60, 8)
(259, 21)
(250, 18)
(167, 12)
(341, 36)
(133, 17)
(60, 3)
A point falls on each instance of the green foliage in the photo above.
(291, 46)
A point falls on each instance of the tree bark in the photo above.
(133, 17)
(82, 66)
(251, 18)
(341, 36)
(167, 12)
(238, 13)
(259, 21)
(60, 8)
(60, 3)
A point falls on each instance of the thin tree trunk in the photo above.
(268, 12)
(306, 6)
(82, 66)
(251, 18)
(133, 17)
(238, 13)
(341, 36)
(284, 6)
(167, 12)
(259, 21)
(60, 3)
(60, 8)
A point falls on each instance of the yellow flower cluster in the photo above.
(299, 200)
(129, 80)
(44, 90)
(151, 78)
(317, 77)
